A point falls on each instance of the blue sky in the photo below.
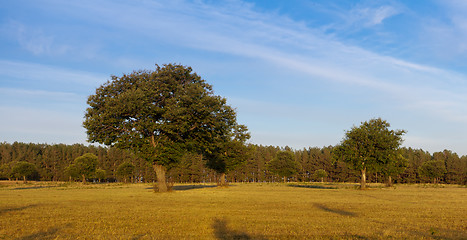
(300, 73)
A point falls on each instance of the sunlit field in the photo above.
(241, 211)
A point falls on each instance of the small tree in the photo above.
(125, 170)
(100, 174)
(72, 172)
(433, 169)
(283, 164)
(85, 165)
(5, 171)
(229, 152)
(321, 174)
(25, 170)
(395, 165)
(369, 147)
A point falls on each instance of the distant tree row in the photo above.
(62, 162)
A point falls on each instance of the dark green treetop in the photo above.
(85, 165)
(159, 114)
(369, 147)
(25, 170)
(125, 170)
(230, 151)
(283, 164)
(320, 174)
(433, 169)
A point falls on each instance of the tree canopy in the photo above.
(433, 169)
(229, 153)
(321, 174)
(370, 147)
(25, 170)
(84, 166)
(51, 162)
(283, 164)
(125, 170)
(159, 115)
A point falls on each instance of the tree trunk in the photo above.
(389, 181)
(161, 181)
(84, 178)
(363, 182)
(222, 180)
(322, 179)
(24, 179)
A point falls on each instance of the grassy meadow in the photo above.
(241, 211)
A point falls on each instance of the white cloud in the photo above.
(371, 16)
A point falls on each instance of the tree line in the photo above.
(170, 118)
(313, 164)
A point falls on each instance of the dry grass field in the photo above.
(241, 211)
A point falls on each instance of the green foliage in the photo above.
(73, 172)
(433, 169)
(100, 174)
(283, 164)
(456, 167)
(320, 174)
(25, 170)
(158, 114)
(394, 165)
(85, 165)
(231, 152)
(52, 162)
(370, 147)
(125, 170)
(5, 171)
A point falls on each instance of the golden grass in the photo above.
(242, 211)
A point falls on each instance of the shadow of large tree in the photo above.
(5, 210)
(335, 210)
(222, 232)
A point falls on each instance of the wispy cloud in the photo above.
(292, 52)
(367, 16)
(285, 43)
(34, 40)
(48, 75)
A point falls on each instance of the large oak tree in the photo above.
(160, 115)
(370, 147)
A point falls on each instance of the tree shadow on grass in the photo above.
(313, 186)
(50, 233)
(222, 232)
(32, 187)
(337, 211)
(5, 210)
(440, 233)
(188, 187)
